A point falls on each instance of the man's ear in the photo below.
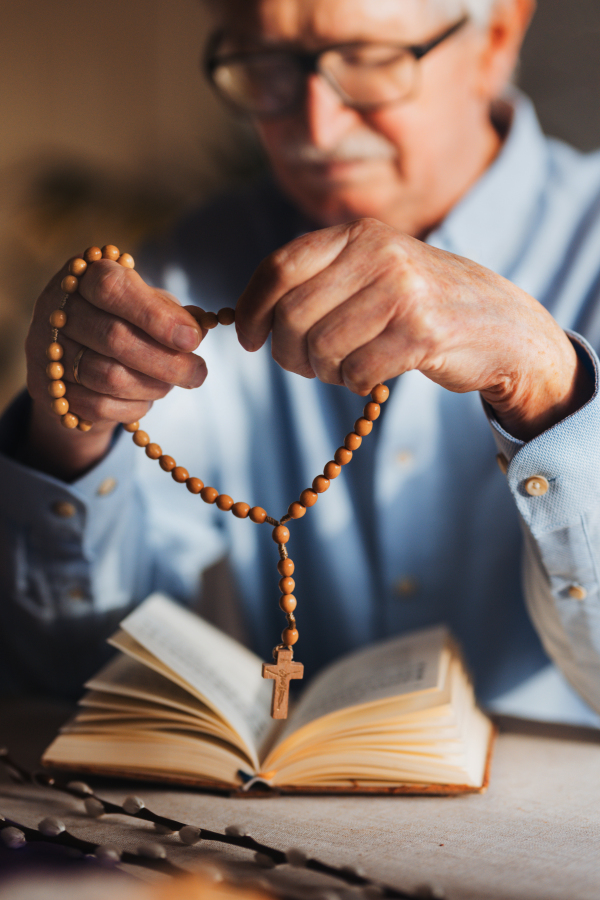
(502, 42)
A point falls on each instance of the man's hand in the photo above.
(361, 303)
(137, 344)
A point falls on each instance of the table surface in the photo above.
(534, 834)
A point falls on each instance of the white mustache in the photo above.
(363, 146)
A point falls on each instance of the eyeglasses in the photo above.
(272, 82)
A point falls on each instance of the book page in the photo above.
(125, 677)
(222, 671)
(137, 687)
(393, 668)
(445, 742)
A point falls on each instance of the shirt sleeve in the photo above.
(75, 558)
(555, 482)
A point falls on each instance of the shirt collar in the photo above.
(491, 223)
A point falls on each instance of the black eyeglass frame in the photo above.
(308, 63)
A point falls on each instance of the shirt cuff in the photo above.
(564, 459)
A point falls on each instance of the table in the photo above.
(535, 834)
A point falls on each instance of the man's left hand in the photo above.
(360, 303)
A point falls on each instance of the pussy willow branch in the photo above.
(66, 839)
(264, 854)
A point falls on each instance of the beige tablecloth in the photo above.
(534, 834)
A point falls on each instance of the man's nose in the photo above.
(327, 118)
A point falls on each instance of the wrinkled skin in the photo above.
(357, 304)
(353, 303)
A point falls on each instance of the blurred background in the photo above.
(109, 131)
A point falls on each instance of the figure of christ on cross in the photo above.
(282, 671)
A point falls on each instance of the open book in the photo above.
(183, 702)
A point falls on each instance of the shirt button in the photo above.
(577, 592)
(407, 586)
(107, 487)
(502, 463)
(537, 486)
(63, 509)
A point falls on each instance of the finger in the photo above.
(305, 319)
(113, 337)
(197, 314)
(87, 404)
(103, 408)
(348, 302)
(103, 375)
(280, 273)
(390, 354)
(122, 293)
(350, 325)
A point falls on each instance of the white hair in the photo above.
(479, 11)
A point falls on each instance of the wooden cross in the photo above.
(282, 671)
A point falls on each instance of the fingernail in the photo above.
(245, 342)
(198, 377)
(185, 337)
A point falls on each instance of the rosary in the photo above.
(284, 669)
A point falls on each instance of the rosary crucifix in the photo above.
(284, 669)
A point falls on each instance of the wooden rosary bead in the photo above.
(58, 319)
(289, 636)
(281, 534)
(54, 351)
(288, 603)
(70, 421)
(57, 389)
(332, 470)
(109, 251)
(287, 585)
(226, 316)
(372, 411)
(77, 267)
(363, 427)
(69, 284)
(286, 567)
(352, 441)
(321, 484)
(60, 406)
(153, 451)
(209, 494)
(141, 438)
(258, 514)
(55, 371)
(167, 463)
(342, 456)
(208, 320)
(296, 510)
(380, 393)
(308, 497)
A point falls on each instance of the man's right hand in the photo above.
(138, 342)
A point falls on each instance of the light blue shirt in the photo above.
(421, 527)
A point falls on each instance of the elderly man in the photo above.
(398, 156)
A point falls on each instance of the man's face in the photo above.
(405, 164)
